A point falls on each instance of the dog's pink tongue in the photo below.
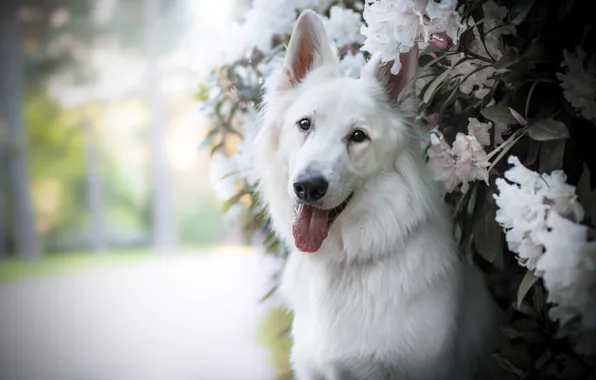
(310, 228)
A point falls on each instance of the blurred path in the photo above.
(177, 318)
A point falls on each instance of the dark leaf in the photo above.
(524, 325)
(538, 299)
(511, 333)
(508, 366)
(436, 83)
(510, 57)
(533, 151)
(548, 129)
(586, 195)
(536, 52)
(525, 309)
(542, 360)
(551, 155)
(487, 233)
(499, 114)
(520, 119)
(521, 10)
(524, 287)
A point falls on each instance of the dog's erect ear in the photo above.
(400, 88)
(308, 49)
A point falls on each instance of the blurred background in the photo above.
(115, 259)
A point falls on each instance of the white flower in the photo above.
(579, 82)
(464, 163)
(440, 9)
(568, 268)
(391, 27)
(264, 20)
(525, 202)
(471, 162)
(479, 130)
(540, 213)
(343, 26)
(441, 162)
(520, 212)
(352, 64)
(267, 19)
(316, 5)
(519, 174)
(443, 18)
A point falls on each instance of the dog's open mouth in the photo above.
(311, 225)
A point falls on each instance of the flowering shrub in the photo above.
(507, 113)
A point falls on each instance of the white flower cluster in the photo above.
(394, 26)
(579, 82)
(465, 162)
(476, 73)
(265, 20)
(352, 64)
(343, 26)
(540, 213)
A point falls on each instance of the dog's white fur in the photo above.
(387, 295)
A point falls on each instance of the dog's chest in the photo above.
(354, 314)
(338, 309)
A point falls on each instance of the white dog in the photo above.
(374, 278)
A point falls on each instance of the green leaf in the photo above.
(551, 155)
(232, 201)
(216, 148)
(499, 114)
(268, 294)
(524, 287)
(548, 129)
(203, 94)
(436, 83)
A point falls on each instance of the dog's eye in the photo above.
(304, 123)
(358, 136)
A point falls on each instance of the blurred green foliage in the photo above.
(56, 163)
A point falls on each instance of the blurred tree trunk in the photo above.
(3, 195)
(11, 102)
(164, 223)
(94, 190)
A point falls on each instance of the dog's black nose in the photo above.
(311, 189)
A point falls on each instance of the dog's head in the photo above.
(328, 136)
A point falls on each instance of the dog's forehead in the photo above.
(344, 95)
